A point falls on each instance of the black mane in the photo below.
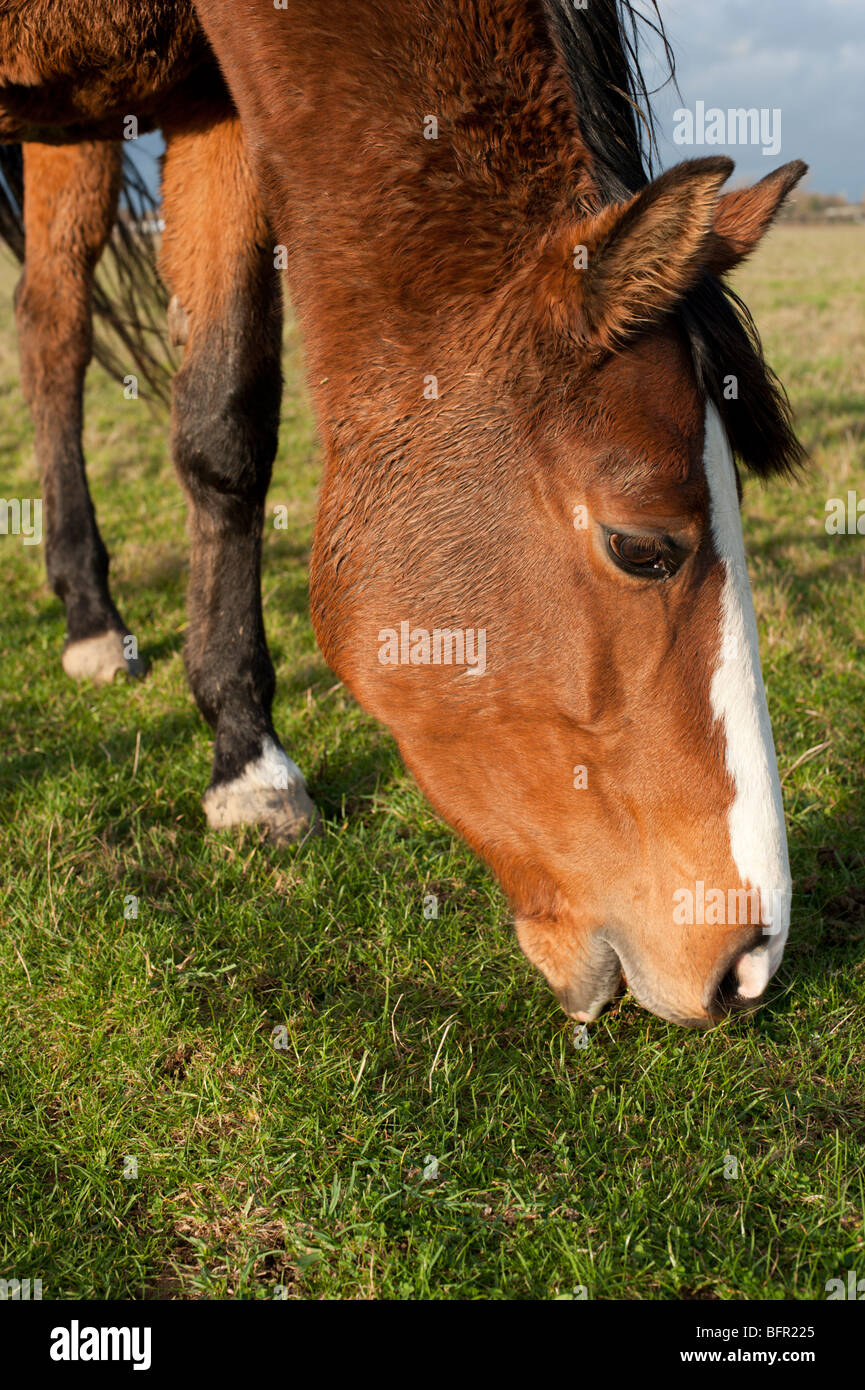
(601, 48)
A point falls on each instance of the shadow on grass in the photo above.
(342, 784)
(827, 934)
(846, 551)
(112, 747)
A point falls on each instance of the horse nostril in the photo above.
(744, 980)
(727, 993)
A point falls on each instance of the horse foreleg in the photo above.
(70, 203)
(218, 260)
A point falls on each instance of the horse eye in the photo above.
(649, 556)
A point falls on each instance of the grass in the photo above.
(279, 1077)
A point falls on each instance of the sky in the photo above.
(805, 58)
(802, 58)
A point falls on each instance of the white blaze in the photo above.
(758, 839)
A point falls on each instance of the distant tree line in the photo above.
(822, 207)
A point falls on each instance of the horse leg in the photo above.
(217, 257)
(70, 203)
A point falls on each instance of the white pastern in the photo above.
(100, 659)
(758, 838)
(273, 770)
(269, 791)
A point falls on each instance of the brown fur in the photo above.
(70, 204)
(642, 256)
(78, 68)
(224, 422)
(205, 162)
(410, 257)
(745, 215)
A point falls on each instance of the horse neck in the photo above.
(427, 144)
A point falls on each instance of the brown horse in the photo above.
(72, 77)
(531, 385)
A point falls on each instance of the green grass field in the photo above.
(428, 1129)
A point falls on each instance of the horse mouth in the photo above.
(600, 983)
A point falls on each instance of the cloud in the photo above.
(806, 59)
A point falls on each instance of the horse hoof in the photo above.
(99, 659)
(270, 792)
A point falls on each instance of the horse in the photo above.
(536, 396)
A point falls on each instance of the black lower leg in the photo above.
(76, 559)
(226, 414)
(225, 419)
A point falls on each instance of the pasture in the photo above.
(280, 1075)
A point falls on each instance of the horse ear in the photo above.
(745, 214)
(620, 270)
